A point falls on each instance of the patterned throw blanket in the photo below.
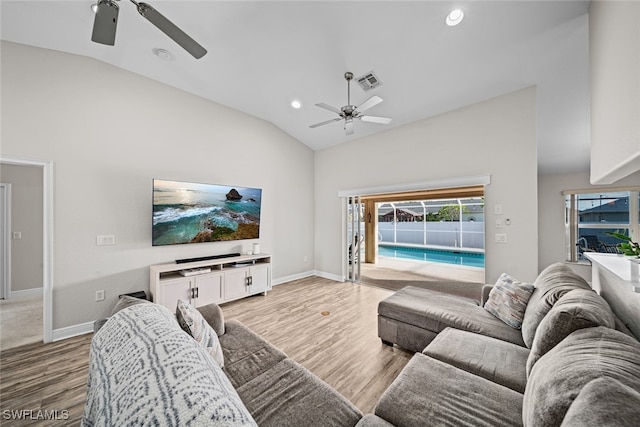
(146, 371)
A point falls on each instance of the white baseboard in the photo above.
(298, 276)
(329, 276)
(86, 328)
(26, 293)
(72, 331)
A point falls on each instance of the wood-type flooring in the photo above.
(329, 327)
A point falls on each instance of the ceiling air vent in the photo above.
(369, 81)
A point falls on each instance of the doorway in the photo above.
(46, 260)
(424, 235)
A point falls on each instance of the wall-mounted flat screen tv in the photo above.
(187, 212)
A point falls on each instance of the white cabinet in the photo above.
(246, 281)
(222, 280)
(198, 290)
(208, 289)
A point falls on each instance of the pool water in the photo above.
(468, 259)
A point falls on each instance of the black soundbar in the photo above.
(206, 258)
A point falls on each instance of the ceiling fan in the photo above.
(350, 112)
(106, 20)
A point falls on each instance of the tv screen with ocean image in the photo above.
(187, 212)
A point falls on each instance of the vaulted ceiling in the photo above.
(262, 55)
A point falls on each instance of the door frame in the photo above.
(47, 239)
(5, 224)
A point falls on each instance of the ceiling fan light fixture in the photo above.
(105, 22)
(454, 17)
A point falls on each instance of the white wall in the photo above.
(614, 39)
(109, 132)
(495, 137)
(26, 218)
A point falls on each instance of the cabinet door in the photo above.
(170, 291)
(209, 289)
(260, 280)
(235, 284)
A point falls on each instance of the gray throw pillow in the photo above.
(212, 313)
(508, 300)
(552, 283)
(604, 402)
(192, 322)
(577, 309)
(559, 376)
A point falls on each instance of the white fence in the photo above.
(465, 234)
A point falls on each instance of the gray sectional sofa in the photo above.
(570, 364)
(145, 370)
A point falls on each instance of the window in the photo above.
(590, 216)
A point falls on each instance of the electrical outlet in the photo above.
(100, 295)
(501, 238)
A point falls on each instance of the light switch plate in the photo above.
(501, 238)
(105, 240)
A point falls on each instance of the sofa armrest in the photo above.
(486, 289)
(99, 324)
(214, 316)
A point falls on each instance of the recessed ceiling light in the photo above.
(455, 17)
(296, 104)
(163, 54)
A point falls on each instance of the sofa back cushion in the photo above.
(604, 402)
(559, 376)
(577, 309)
(552, 283)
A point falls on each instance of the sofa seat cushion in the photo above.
(288, 395)
(604, 402)
(551, 284)
(587, 354)
(246, 354)
(431, 393)
(498, 361)
(435, 311)
(577, 309)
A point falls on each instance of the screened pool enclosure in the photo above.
(454, 225)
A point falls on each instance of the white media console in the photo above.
(216, 280)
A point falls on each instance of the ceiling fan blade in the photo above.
(326, 122)
(105, 23)
(348, 127)
(171, 30)
(330, 108)
(374, 100)
(376, 119)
